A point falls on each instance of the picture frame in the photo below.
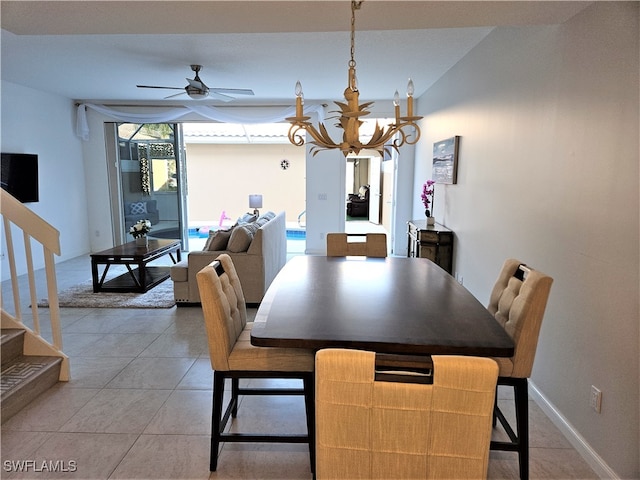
(444, 168)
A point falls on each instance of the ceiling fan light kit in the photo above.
(349, 120)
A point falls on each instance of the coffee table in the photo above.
(140, 279)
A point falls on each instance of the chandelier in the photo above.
(349, 119)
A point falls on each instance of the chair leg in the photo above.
(519, 440)
(310, 409)
(235, 388)
(216, 417)
(521, 392)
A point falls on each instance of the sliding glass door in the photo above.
(150, 183)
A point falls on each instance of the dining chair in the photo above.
(373, 424)
(518, 301)
(232, 356)
(375, 245)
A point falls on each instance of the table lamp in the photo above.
(255, 202)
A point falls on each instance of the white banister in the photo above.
(34, 228)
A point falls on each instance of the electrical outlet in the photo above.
(595, 401)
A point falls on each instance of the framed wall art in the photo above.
(445, 160)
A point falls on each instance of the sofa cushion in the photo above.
(218, 240)
(241, 237)
(138, 208)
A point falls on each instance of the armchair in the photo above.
(358, 205)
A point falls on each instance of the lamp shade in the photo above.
(255, 201)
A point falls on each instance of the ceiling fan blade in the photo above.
(220, 96)
(175, 95)
(155, 86)
(233, 91)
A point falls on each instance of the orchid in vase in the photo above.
(428, 191)
(140, 228)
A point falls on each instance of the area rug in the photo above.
(82, 296)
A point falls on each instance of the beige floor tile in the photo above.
(263, 461)
(85, 456)
(73, 344)
(142, 322)
(19, 444)
(186, 412)
(51, 410)
(161, 457)
(117, 411)
(92, 324)
(152, 373)
(563, 463)
(199, 376)
(119, 345)
(95, 372)
(544, 463)
(274, 414)
(177, 344)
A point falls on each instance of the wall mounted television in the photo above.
(19, 176)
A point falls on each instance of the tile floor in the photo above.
(139, 402)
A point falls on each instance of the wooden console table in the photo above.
(141, 279)
(434, 242)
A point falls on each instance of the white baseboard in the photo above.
(573, 436)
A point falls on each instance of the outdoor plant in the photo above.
(140, 229)
(427, 196)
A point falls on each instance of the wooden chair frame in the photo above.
(219, 420)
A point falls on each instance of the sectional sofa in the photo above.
(258, 248)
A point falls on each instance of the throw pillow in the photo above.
(268, 215)
(217, 240)
(212, 233)
(247, 218)
(240, 240)
(220, 241)
(138, 208)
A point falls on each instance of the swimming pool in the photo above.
(203, 232)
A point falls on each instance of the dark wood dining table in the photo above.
(393, 305)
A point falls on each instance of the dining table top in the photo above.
(392, 305)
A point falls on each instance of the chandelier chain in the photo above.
(354, 5)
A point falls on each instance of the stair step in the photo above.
(11, 343)
(23, 379)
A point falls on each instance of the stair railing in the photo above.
(15, 214)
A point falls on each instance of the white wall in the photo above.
(37, 122)
(548, 173)
(221, 177)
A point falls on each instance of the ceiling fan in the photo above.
(198, 90)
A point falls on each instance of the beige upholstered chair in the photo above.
(233, 356)
(375, 245)
(518, 301)
(370, 428)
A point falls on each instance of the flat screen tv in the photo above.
(20, 176)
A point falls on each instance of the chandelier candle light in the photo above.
(349, 120)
